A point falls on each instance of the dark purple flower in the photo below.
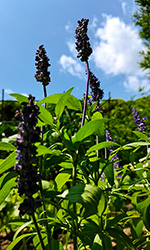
(141, 126)
(82, 44)
(26, 167)
(42, 73)
(96, 92)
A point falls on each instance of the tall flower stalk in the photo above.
(43, 75)
(26, 167)
(84, 51)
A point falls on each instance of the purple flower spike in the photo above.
(42, 73)
(82, 44)
(26, 167)
(141, 126)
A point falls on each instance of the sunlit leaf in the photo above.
(6, 146)
(88, 129)
(20, 98)
(45, 115)
(62, 103)
(61, 179)
(5, 190)
(101, 145)
(8, 162)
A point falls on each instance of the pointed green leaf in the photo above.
(18, 239)
(6, 189)
(88, 129)
(62, 103)
(51, 99)
(109, 173)
(74, 103)
(121, 236)
(9, 162)
(45, 115)
(87, 195)
(136, 144)
(141, 135)
(101, 145)
(6, 146)
(42, 150)
(20, 98)
(61, 179)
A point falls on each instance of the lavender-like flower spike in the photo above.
(26, 167)
(141, 126)
(42, 73)
(82, 44)
(96, 92)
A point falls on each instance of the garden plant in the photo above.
(62, 180)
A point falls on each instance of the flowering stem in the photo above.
(38, 231)
(86, 94)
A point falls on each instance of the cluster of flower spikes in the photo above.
(111, 149)
(82, 44)
(141, 126)
(42, 73)
(26, 167)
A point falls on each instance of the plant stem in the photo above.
(38, 231)
(74, 176)
(86, 94)
(48, 229)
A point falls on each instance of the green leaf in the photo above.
(62, 103)
(9, 162)
(101, 145)
(61, 179)
(6, 146)
(20, 98)
(74, 103)
(97, 115)
(101, 205)
(17, 240)
(97, 244)
(121, 236)
(6, 177)
(141, 135)
(87, 195)
(45, 115)
(136, 144)
(88, 129)
(6, 189)
(42, 150)
(28, 223)
(109, 173)
(51, 99)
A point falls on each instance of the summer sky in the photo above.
(26, 24)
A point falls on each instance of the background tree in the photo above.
(142, 19)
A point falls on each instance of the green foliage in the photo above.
(142, 19)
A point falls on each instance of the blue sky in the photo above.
(24, 25)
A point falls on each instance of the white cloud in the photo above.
(118, 48)
(8, 91)
(116, 51)
(124, 7)
(68, 27)
(71, 46)
(93, 24)
(133, 83)
(72, 66)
